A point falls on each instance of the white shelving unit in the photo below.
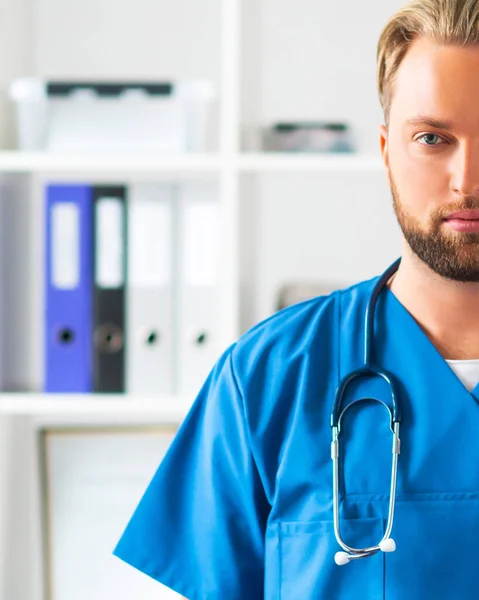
(38, 162)
(229, 166)
(222, 166)
(316, 163)
(24, 416)
(267, 199)
(76, 409)
(237, 163)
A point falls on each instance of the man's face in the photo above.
(433, 168)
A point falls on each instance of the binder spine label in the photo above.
(109, 253)
(65, 255)
(150, 259)
(201, 244)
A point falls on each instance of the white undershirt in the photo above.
(467, 371)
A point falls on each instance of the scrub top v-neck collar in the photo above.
(439, 416)
(397, 308)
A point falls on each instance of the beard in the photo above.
(453, 255)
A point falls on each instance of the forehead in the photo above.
(438, 80)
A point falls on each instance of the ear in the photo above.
(383, 142)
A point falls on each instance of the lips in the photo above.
(464, 215)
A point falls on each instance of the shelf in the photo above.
(187, 164)
(282, 162)
(110, 408)
(37, 162)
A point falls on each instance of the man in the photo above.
(242, 506)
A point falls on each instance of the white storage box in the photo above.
(125, 116)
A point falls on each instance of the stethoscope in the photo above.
(387, 544)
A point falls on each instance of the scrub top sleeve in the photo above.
(200, 526)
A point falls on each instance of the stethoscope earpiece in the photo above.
(343, 558)
(388, 545)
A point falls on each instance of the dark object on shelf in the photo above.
(309, 136)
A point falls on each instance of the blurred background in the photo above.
(171, 173)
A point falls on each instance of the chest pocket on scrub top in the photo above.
(436, 554)
(307, 567)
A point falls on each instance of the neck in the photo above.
(447, 311)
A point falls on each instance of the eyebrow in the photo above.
(431, 121)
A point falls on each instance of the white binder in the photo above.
(149, 326)
(198, 318)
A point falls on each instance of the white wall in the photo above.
(16, 57)
(127, 38)
(329, 229)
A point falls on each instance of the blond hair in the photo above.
(454, 22)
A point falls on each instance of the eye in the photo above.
(430, 138)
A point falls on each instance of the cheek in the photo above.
(420, 178)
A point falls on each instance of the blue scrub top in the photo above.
(241, 506)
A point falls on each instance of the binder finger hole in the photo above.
(152, 338)
(201, 339)
(66, 335)
(149, 337)
(109, 338)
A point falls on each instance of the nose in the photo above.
(465, 170)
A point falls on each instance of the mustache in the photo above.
(470, 203)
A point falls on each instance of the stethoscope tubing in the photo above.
(368, 370)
